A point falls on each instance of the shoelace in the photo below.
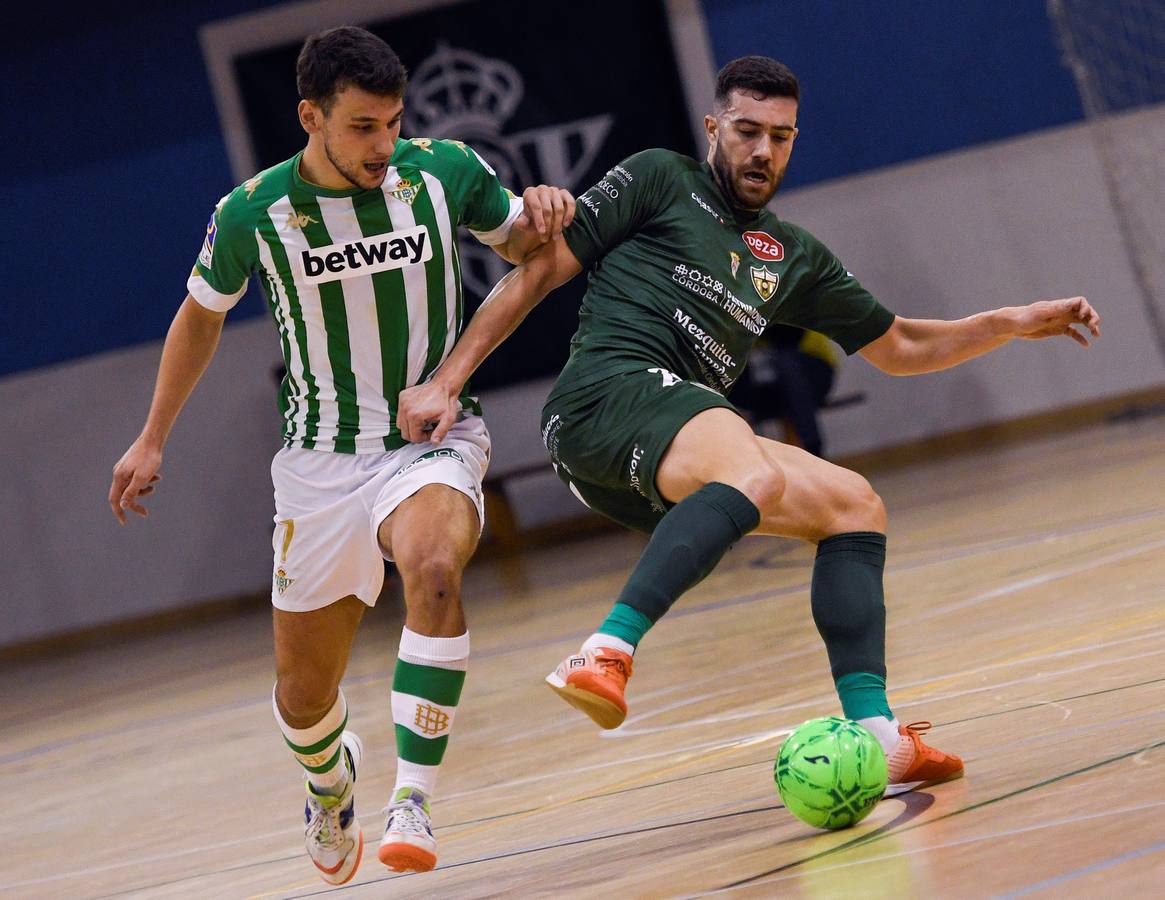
(612, 662)
(325, 828)
(919, 727)
(408, 818)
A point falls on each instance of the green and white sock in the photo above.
(426, 687)
(318, 748)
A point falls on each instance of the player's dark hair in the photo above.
(341, 57)
(757, 75)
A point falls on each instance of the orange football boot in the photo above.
(913, 764)
(594, 681)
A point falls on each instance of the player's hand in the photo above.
(134, 477)
(426, 412)
(1049, 318)
(547, 210)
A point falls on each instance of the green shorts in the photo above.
(606, 439)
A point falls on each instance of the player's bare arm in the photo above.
(190, 345)
(546, 211)
(429, 410)
(915, 346)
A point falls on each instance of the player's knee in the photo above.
(764, 485)
(432, 578)
(861, 508)
(305, 694)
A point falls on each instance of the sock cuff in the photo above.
(323, 732)
(439, 652)
(741, 511)
(863, 543)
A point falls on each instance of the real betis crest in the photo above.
(282, 582)
(406, 191)
(735, 261)
(764, 281)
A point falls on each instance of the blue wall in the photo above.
(885, 82)
(117, 159)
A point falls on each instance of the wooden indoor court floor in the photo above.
(1026, 620)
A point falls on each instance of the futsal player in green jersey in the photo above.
(354, 241)
(686, 268)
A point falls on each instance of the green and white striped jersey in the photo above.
(364, 286)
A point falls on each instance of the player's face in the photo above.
(358, 135)
(750, 141)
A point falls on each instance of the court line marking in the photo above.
(618, 788)
(862, 841)
(718, 746)
(996, 835)
(874, 838)
(1037, 580)
(628, 729)
(1086, 870)
(540, 643)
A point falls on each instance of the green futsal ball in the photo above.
(830, 772)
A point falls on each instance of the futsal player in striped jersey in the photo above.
(354, 242)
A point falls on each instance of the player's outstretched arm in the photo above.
(190, 345)
(429, 410)
(914, 346)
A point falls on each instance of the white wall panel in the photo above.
(945, 237)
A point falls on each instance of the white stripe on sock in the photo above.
(598, 639)
(438, 652)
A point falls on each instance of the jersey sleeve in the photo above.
(619, 205)
(229, 254)
(488, 209)
(835, 303)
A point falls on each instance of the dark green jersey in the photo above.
(680, 280)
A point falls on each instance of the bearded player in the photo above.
(686, 268)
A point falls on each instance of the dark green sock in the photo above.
(850, 614)
(625, 622)
(863, 695)
(685, 546)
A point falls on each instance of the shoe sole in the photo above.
(401, 857)
(602, 711)
(893, 790)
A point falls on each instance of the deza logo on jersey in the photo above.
(764, 246)
(367, 256)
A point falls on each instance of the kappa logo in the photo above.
(206, 255)
(669, 378)
(764, 246)
(367, 256)
(431, 719)
(735, 257)
(300, 220)
(252, 185)
(764, 281)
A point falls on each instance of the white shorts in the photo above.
(328, 507)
